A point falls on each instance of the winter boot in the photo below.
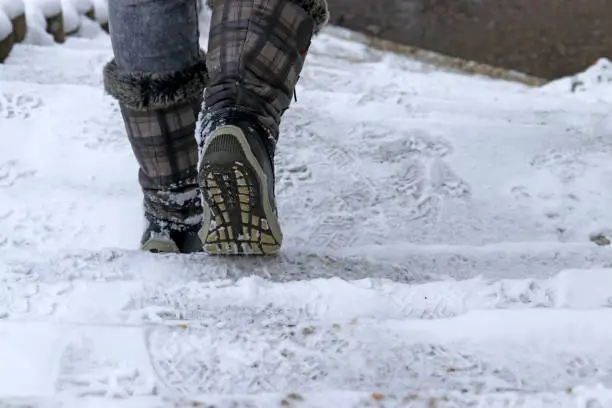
(256, 52)
(159, 112)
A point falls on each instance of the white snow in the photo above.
(12, 8)
(70, 16)
(438, 247)
(72, 12)
(36, 13)
(82, 6)
(6, 27)
(49, 8)
(101, 10)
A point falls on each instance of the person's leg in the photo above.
(158, 76)
(256, 52)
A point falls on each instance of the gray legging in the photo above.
(154, 35)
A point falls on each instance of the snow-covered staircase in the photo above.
(439, 247)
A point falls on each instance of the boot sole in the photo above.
(234, 186)
(158, 245)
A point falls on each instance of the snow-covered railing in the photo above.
(12, 25)
(45, 21)
(93, 9)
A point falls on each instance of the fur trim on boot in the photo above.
(142, 91)
(318, 11)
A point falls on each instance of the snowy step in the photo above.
(582, 396)
(496, 353)
(78, 290)
(438, 248)
(414, 265)
(49, 66)
(422, 182)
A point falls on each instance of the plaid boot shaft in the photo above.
(164, 144)
(257, 49)
(256, 52)
(165, 148)
(159, 112)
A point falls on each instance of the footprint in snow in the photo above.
(18, 105)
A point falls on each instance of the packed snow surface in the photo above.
(82, 6)
(441, 247)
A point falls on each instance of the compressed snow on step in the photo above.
(12, 8)
(6, 27)
(48, 8)
(442, 175)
